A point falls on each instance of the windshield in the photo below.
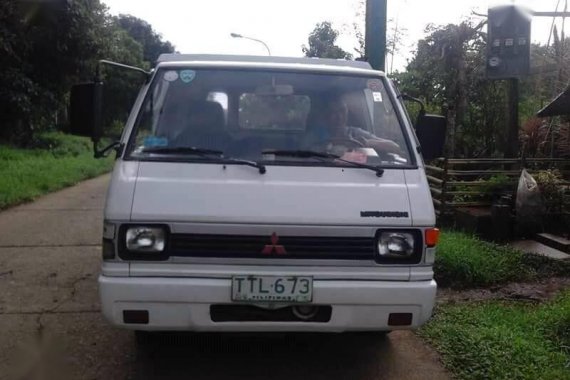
(268, 116)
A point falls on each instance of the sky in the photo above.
(204, 26)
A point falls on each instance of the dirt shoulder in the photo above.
(538, 291)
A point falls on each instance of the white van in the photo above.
(266, 194)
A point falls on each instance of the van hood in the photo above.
(214, 193)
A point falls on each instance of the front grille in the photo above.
(287, 247)
(247, 313)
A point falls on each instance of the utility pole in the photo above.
(508, 58)
(375, 45)
(513, 98)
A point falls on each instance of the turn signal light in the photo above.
(432, 237)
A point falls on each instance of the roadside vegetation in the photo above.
(503, 340)
(48, 46)
(45, 48)
(464, 261)
(496, 337)
(55, 161)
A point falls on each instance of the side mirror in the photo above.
(85, 110)
(431, 130)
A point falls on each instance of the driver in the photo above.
(336, 117)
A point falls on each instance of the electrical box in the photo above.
(508, 42)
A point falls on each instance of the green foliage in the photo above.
(57, 161)
(51, 45)
(496, 183)
(142, 32)
(463, 261)
(498, 340)
(448, 73)
(121, 86)
(62, 145)
(322, 43)
(47, 46)
(493, 187)
(114, 130)
(551, 190)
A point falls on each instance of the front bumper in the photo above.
(183, 304)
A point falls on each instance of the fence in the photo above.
(456, 183)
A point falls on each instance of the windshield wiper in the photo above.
(206, 152)
(262, 169)
(322, 155)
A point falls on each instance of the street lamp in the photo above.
(236, 35)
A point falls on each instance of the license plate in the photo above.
(272, 289)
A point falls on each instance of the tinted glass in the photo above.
(246, 113)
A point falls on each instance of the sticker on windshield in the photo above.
(187, 76)
(155, 141)
(374, 84)
(170, 76)
(377, 97)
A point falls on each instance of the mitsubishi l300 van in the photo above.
(268, 195)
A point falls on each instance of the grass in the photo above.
(463, 261)
(57, 161)
(503, 340)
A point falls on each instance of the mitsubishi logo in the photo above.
(269, 248)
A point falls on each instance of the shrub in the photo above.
(464, 261)
(503, 340)
(549, 183)
(62, 145)
(493, 187)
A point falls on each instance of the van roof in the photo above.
(262, 60)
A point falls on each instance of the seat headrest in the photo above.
(205, 115)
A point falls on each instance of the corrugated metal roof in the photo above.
(559, 106)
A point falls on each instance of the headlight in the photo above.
(396, 245)
(145, 239)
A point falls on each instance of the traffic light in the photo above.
(508, 42)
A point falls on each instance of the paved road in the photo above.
(50, 322)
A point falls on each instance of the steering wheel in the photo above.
(346, 142)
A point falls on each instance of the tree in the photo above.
(134, 42)
(447, 71)
(142, 32)
(121, 86)
(322, 43)
(16, 88)
(47, 46)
